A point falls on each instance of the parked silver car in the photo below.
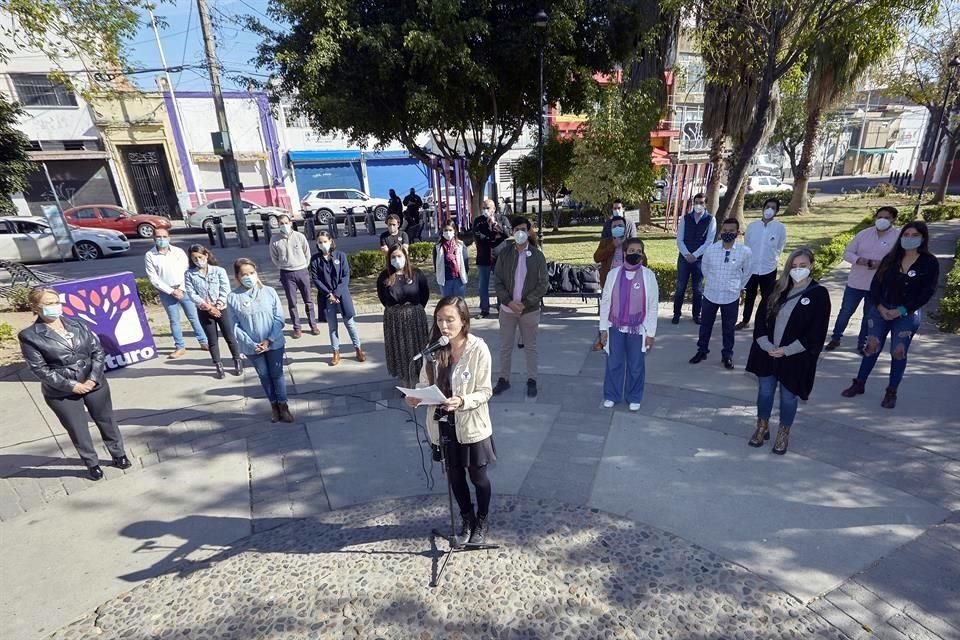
(202, 217)
(30, 239)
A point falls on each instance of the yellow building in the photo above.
(136, 131)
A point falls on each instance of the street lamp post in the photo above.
(540, 22)
(952, 67)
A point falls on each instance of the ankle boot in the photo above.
(284, 410)
(762, 433)
(335, 359)
(218, 374)
(889, 399)
(237, 367)
(783, 440)
(855, 389)
(275, 411)
(479, 531)
(361, 356)
(469, 522)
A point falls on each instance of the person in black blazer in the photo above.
(330, 272)
(69, 361)
(788, 336)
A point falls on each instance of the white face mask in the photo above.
(448, 235)
(882, 224)
(520, 237)
(768, 213)
(398, 262)
(799, 274)
(285, 229)
(324, 247)
(698, 209)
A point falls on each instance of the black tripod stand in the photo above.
(453, 540)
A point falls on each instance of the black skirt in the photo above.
(475, 454)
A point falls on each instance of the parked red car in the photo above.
(108, 216)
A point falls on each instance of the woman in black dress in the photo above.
(403, 290)
(788, 336)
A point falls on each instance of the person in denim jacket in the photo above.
(207, 286)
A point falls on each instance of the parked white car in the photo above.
(30, 239)
(760, 184)
(202, 217)
(326, 203)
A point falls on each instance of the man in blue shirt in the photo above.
(695, 232)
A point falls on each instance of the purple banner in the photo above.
(110, 307)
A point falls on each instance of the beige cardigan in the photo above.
(471, 382)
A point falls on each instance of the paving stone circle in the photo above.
(363, 572)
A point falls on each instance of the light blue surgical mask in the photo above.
(911, 242)
(617, 232)
(398, 263)
(51, 311)
(249, 280)
(285, 229)
(161, 243)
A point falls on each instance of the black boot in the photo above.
(218, 374)
(479, 531)
(237, 367)
(466, 530)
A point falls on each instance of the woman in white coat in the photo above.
(628, 325)
(450, 262)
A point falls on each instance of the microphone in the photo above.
(441, 342)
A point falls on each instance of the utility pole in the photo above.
(222, 144)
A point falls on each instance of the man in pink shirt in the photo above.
(864, 254)
(520, 279)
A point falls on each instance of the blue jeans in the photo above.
(332, 324)
(625, 367)
(901, 333)
(685, 272)
(851, 300)
(172, 306)
(269, 368)
(788, 401)
(728, 323)
(483, 287)
(454, 287)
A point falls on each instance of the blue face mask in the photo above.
(911, 242)
(249, 281)
(161, 243)
(51, 311)
(617, 232)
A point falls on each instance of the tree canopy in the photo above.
(557, 166)
(15, 166)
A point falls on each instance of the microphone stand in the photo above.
(453, 540)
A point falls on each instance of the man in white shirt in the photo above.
(766, 238)
(726, 269)
(290, 252)
(166, 266)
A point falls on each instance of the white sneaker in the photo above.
(608, 404)
(634, 406)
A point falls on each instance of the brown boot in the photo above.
(889, 399)
(783, 439)
(855, 389)
(284, 410)
(361, 356)
(274, 412)
(335, 359)
(742, 325)
(762, 433)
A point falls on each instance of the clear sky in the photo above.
(182, 43)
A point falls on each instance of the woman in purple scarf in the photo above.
(628, 325)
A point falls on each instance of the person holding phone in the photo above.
(462, 372)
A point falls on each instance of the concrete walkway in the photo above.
(857, 527)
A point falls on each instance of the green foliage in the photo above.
(791, 123)
(19, 298)
(612, 159)
(666, 279)
(948, 313)
(755, 200)
(15, 165)
(366, 263)
(829, 254)
(884, 190)
(557, 166)
(421, 252)
(464, 72)
(148, 294)
(941, 212)
(7, 332)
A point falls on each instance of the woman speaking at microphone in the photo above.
(462, 372)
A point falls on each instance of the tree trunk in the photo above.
(953, 137)
(792, 157)
(738, 171)
(799, 203)
(737, 210)
(713, 184)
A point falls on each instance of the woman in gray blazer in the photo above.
(69, 361)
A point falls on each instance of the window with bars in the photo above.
(37, 90)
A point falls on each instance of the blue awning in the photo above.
(324, 156)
